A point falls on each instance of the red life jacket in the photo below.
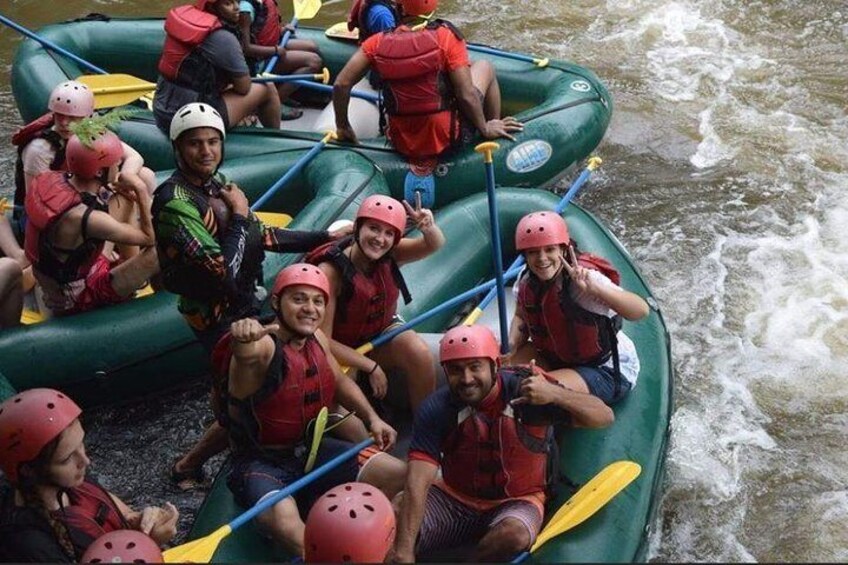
(564, 332)
(90, 514)
(265, 27)
(50, 197)
(357, 18)
(415, 81)
(186, 27)
(298, 383)
(491, 455)
(367, 304)
(39, 128)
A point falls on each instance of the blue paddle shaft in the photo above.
(50, 45)
(521, 557)
(498, 52)
(316, 474)
(456, 300)
(369, 96)
(278, 78)
(566, 200)
(497, 257)
(283, 42)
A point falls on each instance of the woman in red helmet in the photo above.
(70, 233)
(50, 510)
(366, 283)
(569, 311)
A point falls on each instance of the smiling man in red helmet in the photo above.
(490, 431)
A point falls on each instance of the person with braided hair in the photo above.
(51, 510)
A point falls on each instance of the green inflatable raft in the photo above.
(565, 108)
(619, 531)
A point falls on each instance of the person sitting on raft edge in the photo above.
(490, 430)
(569, 310)
(211, 248)
(202, 61)
(435, 99)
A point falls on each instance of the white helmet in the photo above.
(196, 115)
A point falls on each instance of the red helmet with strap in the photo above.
(468, 342)
(85, 161)
(418, 7)
(384, 209)
(540, 229)
(301, 273)
(123, 546)
(352, 522)
(72, 98)
(28, 422)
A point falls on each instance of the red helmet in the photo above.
(467, 342)
(540, 229)
(384, 209)
(301, 273)
(29, 421)
(418, 7)
(72, 98)
(353, 522)
(123, 546)
(85, 162)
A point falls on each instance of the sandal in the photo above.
(290, 113)
(194, 479)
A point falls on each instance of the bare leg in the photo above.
(503, 542)
(409, 354)
(132, 274)
(214, 441)
(261, 99)
(484, 78)
(9, 245)
(11, 293)
(385, 472)
(124, 210)
(352, 429)
(282, 522)
(301, 57)
(568, 377)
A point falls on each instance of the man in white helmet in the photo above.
(211, 247)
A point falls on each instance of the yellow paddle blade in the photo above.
(146, 291)
(274, 219)
(589, 499)
(31, 317)
(317, 435)
(340, 31)
(197, 551)
(116, 90)
(306, 9)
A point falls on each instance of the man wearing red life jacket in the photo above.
(70, 234)
(51, 510)
(434, 98)
(569, 310)
(279, 377)
(490, 431)
(202, 61)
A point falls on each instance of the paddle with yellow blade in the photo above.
(202, 550)
(6, 206)
(112, 90)
(303, 10)
(340, 31)
(586, 502)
